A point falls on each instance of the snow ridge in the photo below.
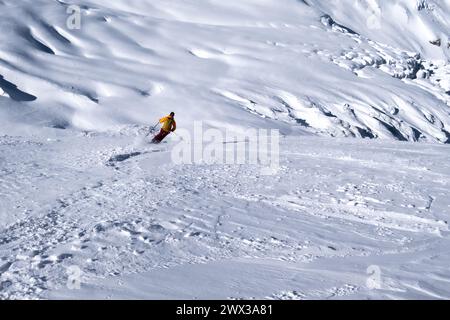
(132, 62)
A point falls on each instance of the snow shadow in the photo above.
(123, 157)
(13, 92)
(26, 34)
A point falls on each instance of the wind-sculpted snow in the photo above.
(372, 69)
(414, 25)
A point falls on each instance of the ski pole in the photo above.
(153, 129)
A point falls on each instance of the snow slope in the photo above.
(139, 226)
(411, 25)
(79, 187)
(318, 64)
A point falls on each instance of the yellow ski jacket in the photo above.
(168, 124)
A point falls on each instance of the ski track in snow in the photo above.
(144, 215)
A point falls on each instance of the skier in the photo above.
(168, 125)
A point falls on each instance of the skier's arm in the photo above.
(174, 126)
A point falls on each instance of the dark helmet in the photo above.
(172, 114)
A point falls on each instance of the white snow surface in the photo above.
(341, 68)
(141, 227)
(79, 185)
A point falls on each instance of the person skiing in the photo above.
(168, 125)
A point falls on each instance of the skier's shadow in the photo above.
(125, 156)
(14, 93)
